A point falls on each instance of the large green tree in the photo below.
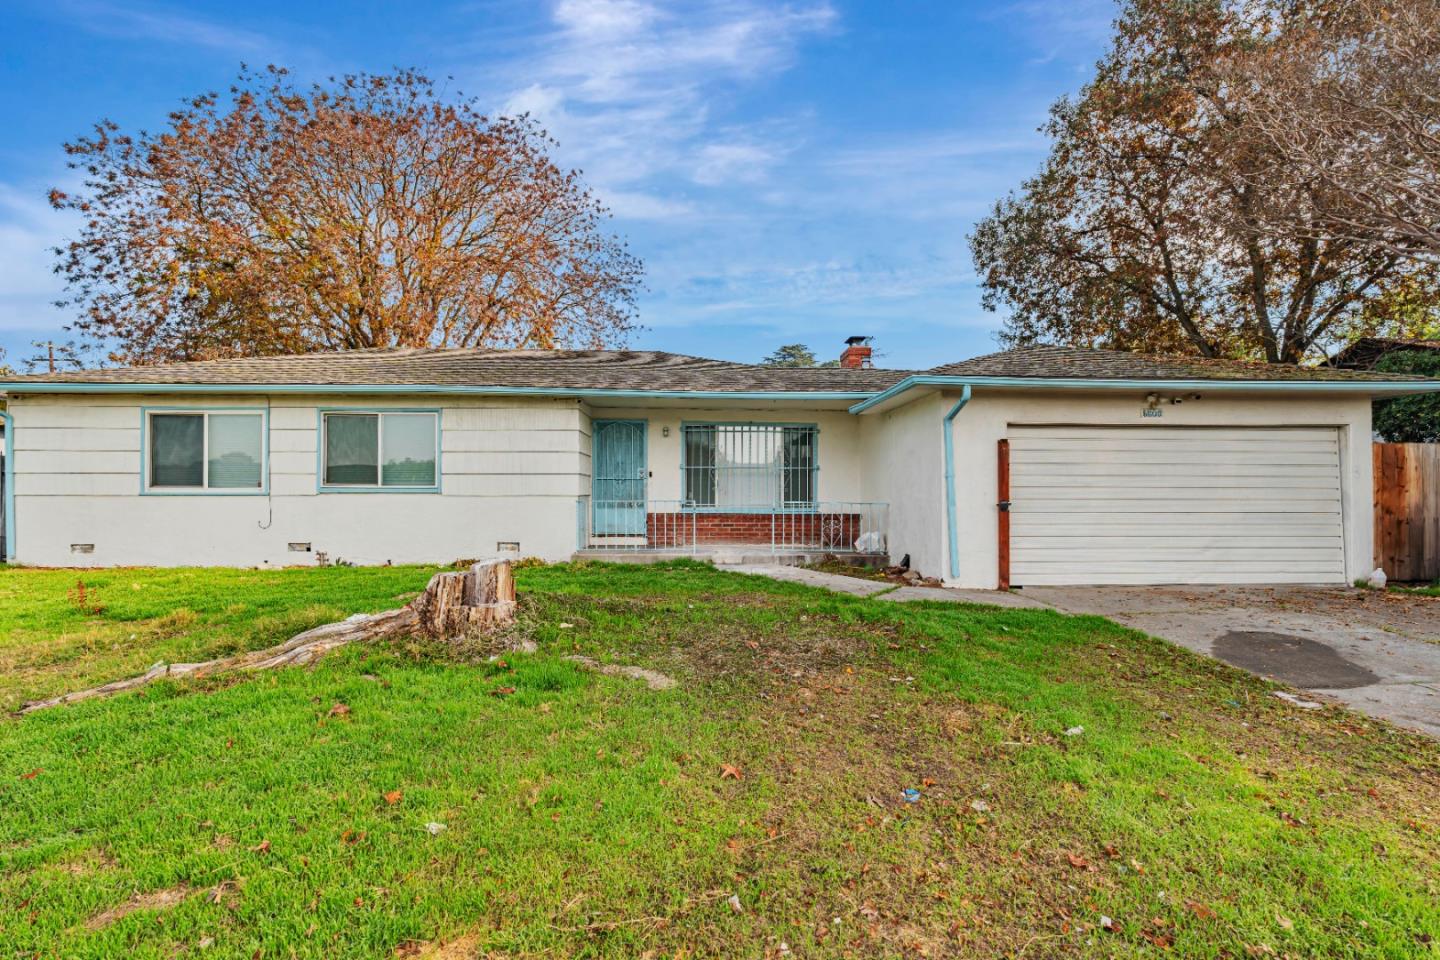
(1410, 419)
(1143, 228)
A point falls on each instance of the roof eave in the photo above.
(34, 386)
(1367, 387)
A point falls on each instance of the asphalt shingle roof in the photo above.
(558, 369)
(1050, 362)
(648, 370)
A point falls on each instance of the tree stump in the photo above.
(456, 606)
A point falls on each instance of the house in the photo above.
(1364, 353)
(1034, 466)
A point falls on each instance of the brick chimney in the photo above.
(857, 353)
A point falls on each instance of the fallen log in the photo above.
(453, 606)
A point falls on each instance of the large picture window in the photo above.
(205, 451)
(749, 466)
(380, 450)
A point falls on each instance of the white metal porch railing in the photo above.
(679, 526)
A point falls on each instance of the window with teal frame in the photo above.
(380, 450)
(749, 467)
(205, 451)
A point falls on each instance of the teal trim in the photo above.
(390, 389)
(322, 487)
(685, 507)
(8, 422)
(951, 530)
(1197, 386)
(147, 491)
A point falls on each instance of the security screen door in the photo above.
(618, 484)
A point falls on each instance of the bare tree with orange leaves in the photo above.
(366, 212)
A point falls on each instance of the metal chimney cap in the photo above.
(856, 341)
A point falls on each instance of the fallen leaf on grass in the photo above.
(32, 774)
(502, 691)
(1200, 910)
(393, 797)
(262, 847)
(1078, 862)
(339, 710)
(1285, 922)
(728, 771)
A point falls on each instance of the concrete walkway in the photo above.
(880, 589)
(1377, 652)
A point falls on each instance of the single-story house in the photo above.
(1043, 465)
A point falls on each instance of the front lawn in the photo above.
(68, 629)
(1078, 789)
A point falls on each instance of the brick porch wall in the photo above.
(830, 530)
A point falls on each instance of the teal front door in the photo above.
(617, 487)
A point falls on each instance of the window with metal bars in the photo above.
(749, 467)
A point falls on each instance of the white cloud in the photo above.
(633, 90)
(722, 163)
(634, 205)
(158, 23)
(29, 228)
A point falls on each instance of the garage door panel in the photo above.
(1318, 481)
(1119, 468)
(1178, 568)
(1261, 456)
(1323, 527)
(1177, 445)
(1175, 505)
(1030, 434)
(1178, 547)
(1163, 509)
(1177, 498)
(1193, 577)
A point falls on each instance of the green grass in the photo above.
(586, 815)
(54, 638)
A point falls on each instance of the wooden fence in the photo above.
(1407, 510)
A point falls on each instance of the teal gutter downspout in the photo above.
(9, 424)
(950, 527)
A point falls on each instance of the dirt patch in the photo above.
(154, 900)
(463, 947)
(654, 679)
(1298, 661)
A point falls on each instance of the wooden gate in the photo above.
(1407, 510)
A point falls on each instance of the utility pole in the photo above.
(50, 345)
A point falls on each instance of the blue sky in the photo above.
(788, 172)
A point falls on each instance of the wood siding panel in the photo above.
(1407, 510)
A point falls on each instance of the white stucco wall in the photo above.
(511, 470)
(902, 465)
(991, 413)
(839, 443)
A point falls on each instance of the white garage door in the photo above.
(1175, 505)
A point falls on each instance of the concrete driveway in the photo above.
(1377, 652)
